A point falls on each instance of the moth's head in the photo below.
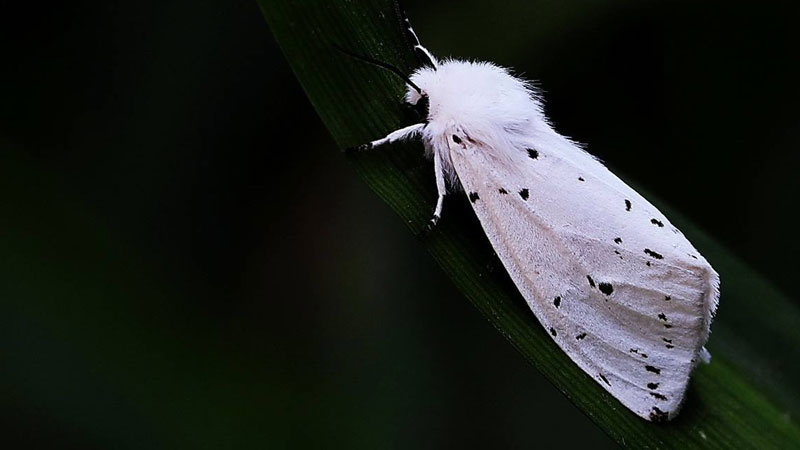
(418, 101)
(418, 92)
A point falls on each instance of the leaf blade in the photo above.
(729, 403)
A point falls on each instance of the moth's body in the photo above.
(613, 282)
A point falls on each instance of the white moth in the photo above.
(612, 281)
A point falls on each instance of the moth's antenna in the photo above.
(383, 65)
(422, 53)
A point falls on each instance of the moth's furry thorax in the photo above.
(479, 102)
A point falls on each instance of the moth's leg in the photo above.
(402, 133)
(441, 189)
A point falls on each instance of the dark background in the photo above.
(188, 262)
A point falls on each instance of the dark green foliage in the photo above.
(744, 399)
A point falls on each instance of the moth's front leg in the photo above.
(405, 133)
(402, 133)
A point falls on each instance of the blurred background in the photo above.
(175, 272)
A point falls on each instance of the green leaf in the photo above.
(744, 399)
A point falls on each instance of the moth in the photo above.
(618, 288)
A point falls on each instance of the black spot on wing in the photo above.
(652, 385)
(618, 240)
(473, 197)
(627, 205)
(657, 222)
(657, 415)
(653, 254)
(658, 396)
(636, 351)
(606, 288)
(524, 194)
(557, 302)
(532, 153)
(580, 336)
(655, 370)
(502, 191)
(591, 281)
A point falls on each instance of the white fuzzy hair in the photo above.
(480, 102)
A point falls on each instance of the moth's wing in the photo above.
(618, 288)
